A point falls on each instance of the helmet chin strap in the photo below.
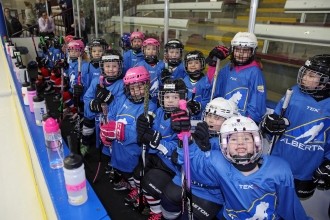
(248, 166)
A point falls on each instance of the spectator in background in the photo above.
(30, 17)
(82, 27)
(46, 25)
(41, 6)
(67, 15)
(13, 25)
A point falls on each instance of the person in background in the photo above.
(13, 25)
(46, 25)
(30, 17)
(67, 15)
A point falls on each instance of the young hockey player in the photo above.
(92, 69)
(253, 187)
(134, 55)
(102, 89)
(156, 134)
(150, 49)
(242, 79)
(120, 131)
(207, 197)
(199, 87)
(174, 68)
(304, 131)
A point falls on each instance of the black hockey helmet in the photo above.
(195, 55)
(97, 42)
(174, 44)
(172, 86)
(318, 69)
(111, 56)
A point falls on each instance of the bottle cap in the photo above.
(38, 98)
(51, 125)
(72, 161)
(31, 88)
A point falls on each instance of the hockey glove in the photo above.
(201, 136)
(103, 94)
(165, 74)
(194, 107)
(78, 90)
(151, 138)
(180, 121)
(143, 123)
(321, 176)
(304, 188)
(274, 124)
(95, 106)
(220, 52)
(112, 130)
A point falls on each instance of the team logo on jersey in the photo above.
(154, 88)
(125, 119)
(260, 88)
(262, 208)
(310, 133)
(239, 96)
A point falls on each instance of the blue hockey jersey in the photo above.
(245, 85)
(306, 142)
(125, 155)
(131, 59)
(266, 194)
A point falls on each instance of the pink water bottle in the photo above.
(31, 92)
(54, 143)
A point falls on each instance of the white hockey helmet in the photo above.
(240, 124)
(244, 40)
(221, 107)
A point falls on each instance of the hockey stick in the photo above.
(186, 179)
(103, 119)
(217, 68)
(144, 147)
(286, 101)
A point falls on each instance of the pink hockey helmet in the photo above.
(136, 75)
(151, 41)
(76, 45)
(136, 35)
(68, 39)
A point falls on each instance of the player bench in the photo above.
(307, 7)
(300, 34)
(176, 24)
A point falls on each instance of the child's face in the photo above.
(311, 79)
(194, 65)
(240, 144)
(150, 50)
(137, 90)
(136, 43)
(173, 53)
(214, 121)
(242, 54)
(74, 53)
(171, 100)
(111, 68)
(96, 52)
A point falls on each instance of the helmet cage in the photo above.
(323, 83)
(240, 124)
(111, 58)
(195, 55)
(171, 87)
(97, 43)
(136, 75)
(174, 44)
(248, 158)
